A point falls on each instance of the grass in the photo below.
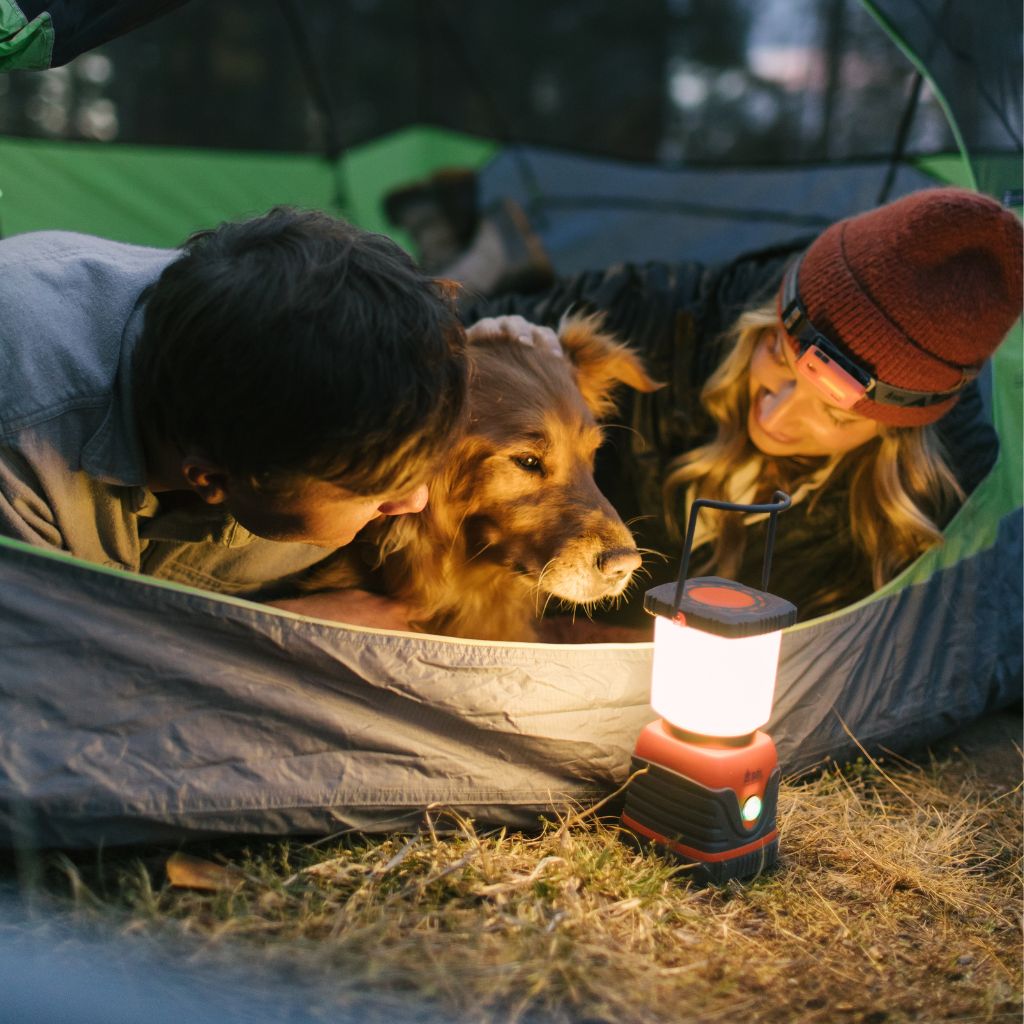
(898, 898)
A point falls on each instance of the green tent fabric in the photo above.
(37, 34)
(157, 196)
(135, 710)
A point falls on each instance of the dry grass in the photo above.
(898, 899)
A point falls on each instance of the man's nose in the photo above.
(414, 501)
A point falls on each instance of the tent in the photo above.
(135, 710)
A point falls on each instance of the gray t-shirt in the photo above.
(72, 472)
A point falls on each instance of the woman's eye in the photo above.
(529, 462)
(835, 419)
(775, 348)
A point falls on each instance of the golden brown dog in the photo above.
(515, 518)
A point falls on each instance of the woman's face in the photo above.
(788, 415)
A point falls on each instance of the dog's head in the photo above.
(520, 485)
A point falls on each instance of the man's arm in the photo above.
(25, 513)
(46, 502)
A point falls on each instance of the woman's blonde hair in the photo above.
(899, 483)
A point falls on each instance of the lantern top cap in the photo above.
(722, 607)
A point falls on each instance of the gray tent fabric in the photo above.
(900, 671)
(139, 711)
(593, 212)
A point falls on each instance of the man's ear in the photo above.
(206, 478)
(602, 362)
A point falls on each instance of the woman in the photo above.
(846, 379)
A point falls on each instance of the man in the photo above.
(226, 414)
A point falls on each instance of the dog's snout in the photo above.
(614, 565)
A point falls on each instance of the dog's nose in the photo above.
(614, 565)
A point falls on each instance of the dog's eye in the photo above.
(529, 462)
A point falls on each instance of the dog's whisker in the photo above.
(624, 427)
(547, 567)
(458, 533)
(477, 554)
(537, 592)
(655, 552)
(639, 519)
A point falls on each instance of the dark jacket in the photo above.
(676, 316)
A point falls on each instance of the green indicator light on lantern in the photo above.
(751, 808)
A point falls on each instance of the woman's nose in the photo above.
(777, 406)
(414, 501)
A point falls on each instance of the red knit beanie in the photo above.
(920, 292)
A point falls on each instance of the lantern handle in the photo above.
(779, 503)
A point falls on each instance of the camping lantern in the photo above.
(711, 784)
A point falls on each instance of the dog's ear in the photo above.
(602, 362)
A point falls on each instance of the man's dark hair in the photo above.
(297, 344)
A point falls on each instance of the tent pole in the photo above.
(535, 203)
(833, 47)
(321, 97)
(890, 30)
(902, 134)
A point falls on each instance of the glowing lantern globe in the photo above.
(709, 792)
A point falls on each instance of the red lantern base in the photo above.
(707, 802)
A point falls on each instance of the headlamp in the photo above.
(840, 379)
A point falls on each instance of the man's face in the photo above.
(315, 511)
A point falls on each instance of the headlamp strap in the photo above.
(800, 328)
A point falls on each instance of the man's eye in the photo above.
(529, 462)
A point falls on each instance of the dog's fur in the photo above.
(514, 517)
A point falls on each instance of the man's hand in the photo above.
(352, 607)
(526, 333)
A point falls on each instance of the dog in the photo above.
(514, 518)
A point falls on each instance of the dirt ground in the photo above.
(991, 747)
